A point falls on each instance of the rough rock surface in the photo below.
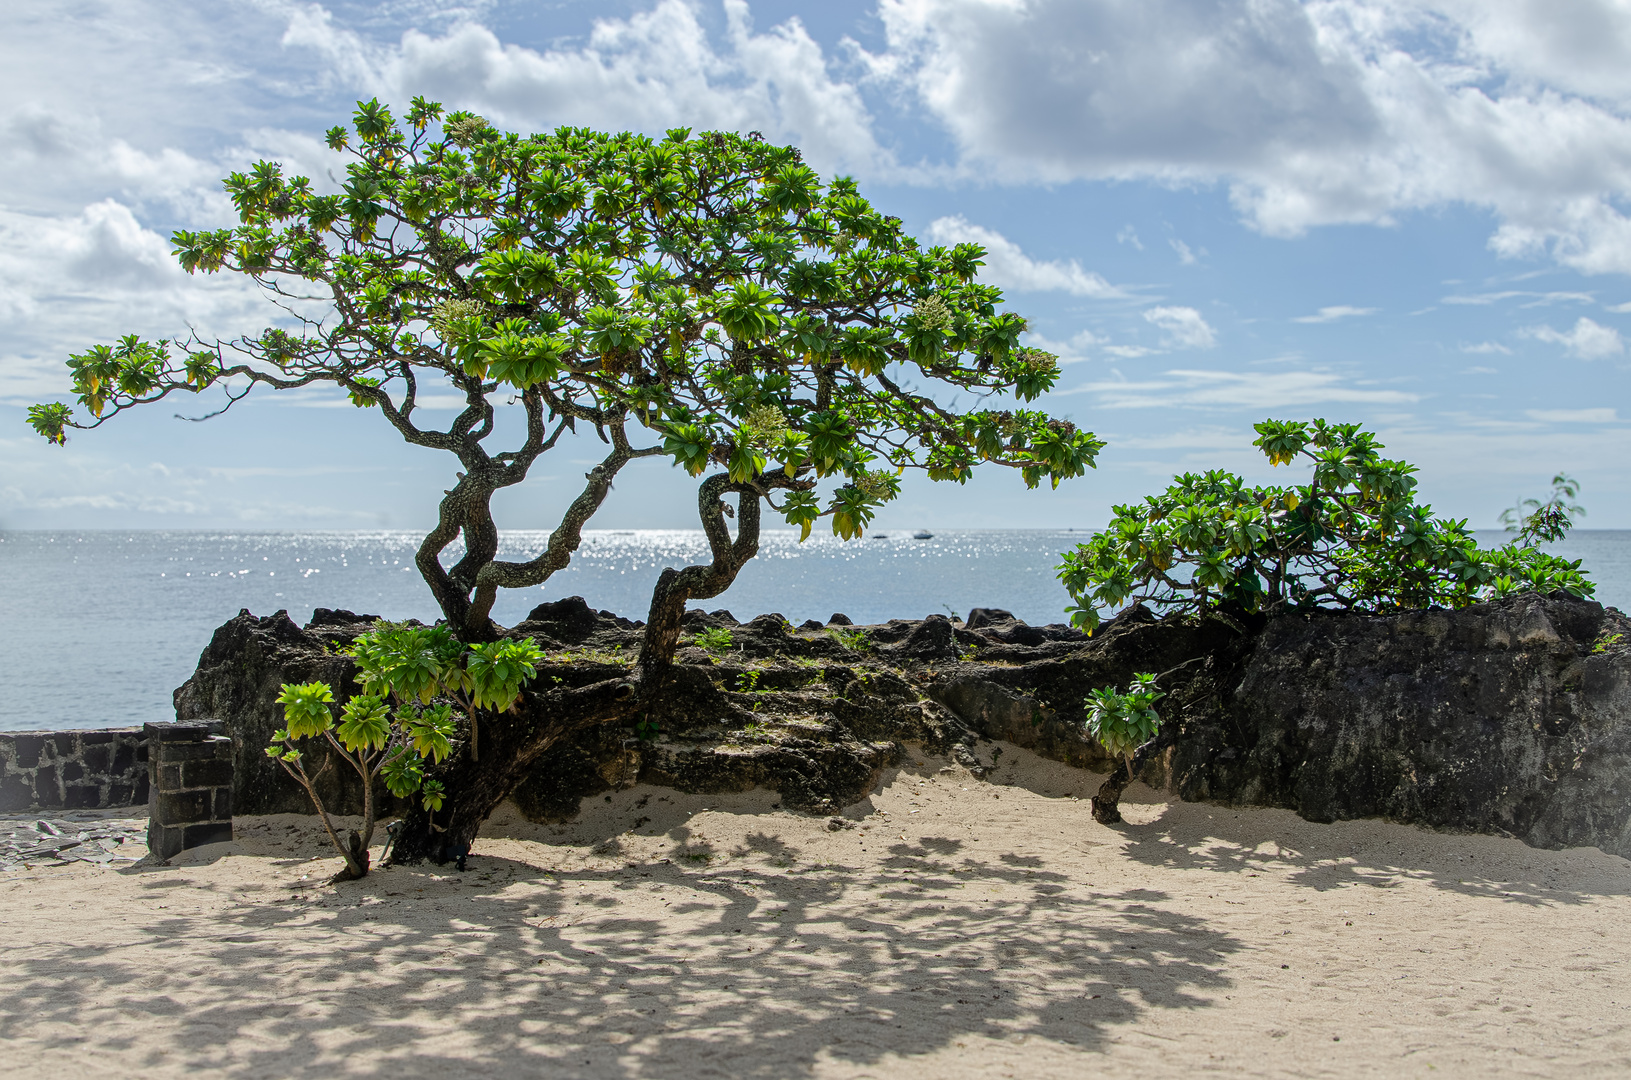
(1512, 717)
(1507, 717)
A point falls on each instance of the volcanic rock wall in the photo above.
(1511, 717)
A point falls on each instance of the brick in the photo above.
(205, 773)
(182, 807)
(139, 796)
(47, 795)
(163, 841)
(223, 804)
(15, 793)
(178, 733)
(141, 751)
(72, 770)
(28, 750)
(96, 738)
(84, 797)
(65, 743)
(122, 795)
(216, 832)
(223, 749)
(184, 752)
(124, 754)
(170, 776)
(97, 757)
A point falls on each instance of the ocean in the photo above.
(98, 627)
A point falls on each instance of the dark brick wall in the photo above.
(73, 770)
(190, 796)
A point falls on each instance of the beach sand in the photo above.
(956, 927)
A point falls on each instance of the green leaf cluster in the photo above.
(1123, 720)
(1353, 537)
(715, 639)
(498, 669)
(1541, 521)
(415, 684)
(712, 288)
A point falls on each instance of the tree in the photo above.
(1353, 537)
(1534, 520)
(706, 298)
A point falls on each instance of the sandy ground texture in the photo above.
(947, 927)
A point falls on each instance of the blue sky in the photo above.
(1408, 213)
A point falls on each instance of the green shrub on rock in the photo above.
(1353, 537)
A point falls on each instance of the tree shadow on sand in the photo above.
(450, 974)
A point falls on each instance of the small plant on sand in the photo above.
(392, 729)
(1124, 720)
(715, 639)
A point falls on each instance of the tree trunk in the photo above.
(676, 588)
(1107, 803)
(473, 789)
(511, 744)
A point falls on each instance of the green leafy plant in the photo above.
(748, 682)
(1542, 521)
(715, 639)
(1124, 720)
(1605, 641)
(1352, 537)
(391, 729)
(855, 640)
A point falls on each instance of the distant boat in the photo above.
(880, 536)
(923, 534)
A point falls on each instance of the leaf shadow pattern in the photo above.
(656, 969)
(1365, 852)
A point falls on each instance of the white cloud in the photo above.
(651, 71)
(1071, 351)
(1484, 348)
(1336, 111)
(1006, 265)
(1129, 235)
(1478, 370)
(1574, 416)
(1533, 299)
(1588, 340)
(1186, 257)
(1259, 390)
(1182, 327)
(1338, 311)
(1129, 352)
(67, 282)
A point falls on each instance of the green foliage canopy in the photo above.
(711, 289)
(1352, 537)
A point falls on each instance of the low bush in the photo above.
(1353, 537)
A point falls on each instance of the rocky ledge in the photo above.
(1512, 717)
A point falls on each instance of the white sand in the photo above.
(960, 929)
